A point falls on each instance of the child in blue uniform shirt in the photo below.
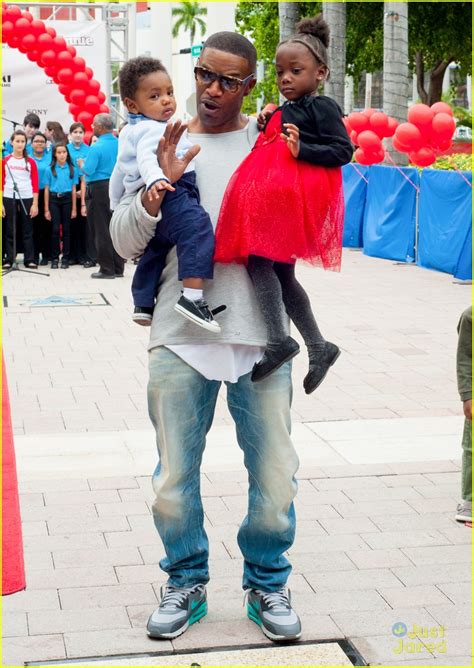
(78, 149)
(41, 227)
(147, 92)
(60, 205)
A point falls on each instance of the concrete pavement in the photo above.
(379, 446)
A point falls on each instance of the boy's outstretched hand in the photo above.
(292, 138)
(172, 166)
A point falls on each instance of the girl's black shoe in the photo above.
(275, 355)
(54, 264)
(64, 264)
(319, 366)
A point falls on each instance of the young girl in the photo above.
(55, 133)
(285, 202)
(20, 167)
(60, 204)
(78, 149)
(41, 227)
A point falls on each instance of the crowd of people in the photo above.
(55, 196)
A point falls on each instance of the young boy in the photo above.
(464, 376)
(147, 92)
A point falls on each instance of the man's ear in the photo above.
(250, 86)
(131, 105)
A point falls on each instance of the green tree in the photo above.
(188, 18)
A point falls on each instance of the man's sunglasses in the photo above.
(230, 84)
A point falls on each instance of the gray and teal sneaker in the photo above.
(178, 609)
(464, 511)
(272, 611)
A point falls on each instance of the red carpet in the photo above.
(13, 569)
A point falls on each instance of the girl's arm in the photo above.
(47, 213)
(35, 186)
(83, 196)
(74, 203)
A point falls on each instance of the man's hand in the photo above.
(467, 406)
(154, 192)
(292, 138)
(80, 162)
(172, 166)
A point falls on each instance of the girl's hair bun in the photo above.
(315, 26)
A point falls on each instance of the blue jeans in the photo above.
(181, 404)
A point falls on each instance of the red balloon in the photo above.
(369, 141)
(88, 136)
(89, 72)
(424, 157)
(74, 109)
(22, 27)
(92, 104)
(51, 32)
(368, 112)
(410, 136)
(378, 122)
(13, 41)
(94, 86)
(64, 59)
(59, 44)
(33, 55)
(78, 96)
(442, 107)
(420, 114)
(392, 126)
(72, 51)
(37, 27)
(13, 13)
(369, 158)
(354, 138)
(65, 76)
(48, 58)
(101, 96)
(358, 121)
(50, 71)
(443, 126)
(104, 109)
(86, 118)
(45, 42)
(398, 146)
(81, 80)
(443, 145)
(64, 89)
(28, 42)
(78, 64)
(7, 30)
(26, 15)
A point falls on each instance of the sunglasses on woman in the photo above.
(230, 84)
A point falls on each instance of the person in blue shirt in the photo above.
(41, 226)
(98, 167)
(60, 204)
(77, 149)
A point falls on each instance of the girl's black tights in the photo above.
(276, 286)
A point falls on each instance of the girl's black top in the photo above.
(323, 138)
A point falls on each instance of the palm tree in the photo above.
(335, 15)
(288, 13)
(189, 19)
(395, 64)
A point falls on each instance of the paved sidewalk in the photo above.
(379, 447)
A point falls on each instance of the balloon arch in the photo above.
(59, 61)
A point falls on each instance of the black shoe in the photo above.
(119, 275)
(72, 262)
(100, 274)
(319, 365)
(54, 264)
(44, 262)
(275, 355)
(198, 312)
(65, 264)
(88, 264)
(143, 315)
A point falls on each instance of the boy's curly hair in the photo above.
(133, 70)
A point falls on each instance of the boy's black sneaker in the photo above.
(198, 312)
(143, 315)
(319, 366)
(275, 355)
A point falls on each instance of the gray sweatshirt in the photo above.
(131, 228)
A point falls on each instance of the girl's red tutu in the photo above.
(281, 208)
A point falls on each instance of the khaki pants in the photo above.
(467, 461)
